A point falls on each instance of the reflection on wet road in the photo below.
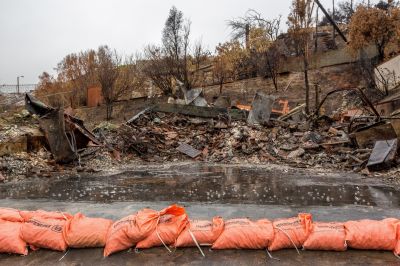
(211, 184)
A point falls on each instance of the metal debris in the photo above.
(261, 109)
(66, 135)
(188, 150)
(383, 155)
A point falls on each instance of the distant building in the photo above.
(387, 75)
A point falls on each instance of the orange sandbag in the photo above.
(291, 233)
(84, 232)
(27, 215)
(130, 230)
(166, 231)
(245, 234)
(11, 215)
(326, 236)
(397, 249)
(44, 233)
(369, 234)
(10, 240)
(205, 233)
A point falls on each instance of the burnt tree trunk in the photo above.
(109, 110)
(316, 98)
(307, 85)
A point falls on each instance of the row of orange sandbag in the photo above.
(171, 227)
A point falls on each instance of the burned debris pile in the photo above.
(53, 141)
(41, 141)
(158, 137)
(169, 132)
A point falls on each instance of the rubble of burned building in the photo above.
(324, 142)
(170, 133)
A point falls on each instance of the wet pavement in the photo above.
(209, 190)
(213, 184)
(159, 256)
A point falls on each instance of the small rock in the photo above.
(2, 178)
(365, 172)
(333, 131)
(237, 133)
(310, 145)
(171, 100)
(296, 154)
(288, 147)
(304, 127)
(221, 125)
(298, 134)
(312, 136)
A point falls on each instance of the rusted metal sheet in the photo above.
(53, 126)
(383, 155)
(367, 136)
(82, 134)
(35, 106)
(65, 134)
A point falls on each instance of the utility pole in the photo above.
(316, 98)
(316, 31)
(333, 27)
(18, 83)
(332, 21)
(247, 32)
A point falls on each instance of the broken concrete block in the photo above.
(261, 109)
(383, 155)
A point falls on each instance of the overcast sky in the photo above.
(36, 34)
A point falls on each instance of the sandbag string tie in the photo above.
(65, 217)
(397, 256)
(158, 234)
(67, 249)
(64, 255)
(298, 252)
(197, 243)
(270, 256)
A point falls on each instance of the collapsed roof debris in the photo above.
(66, 135)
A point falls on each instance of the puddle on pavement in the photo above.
(211, 184)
